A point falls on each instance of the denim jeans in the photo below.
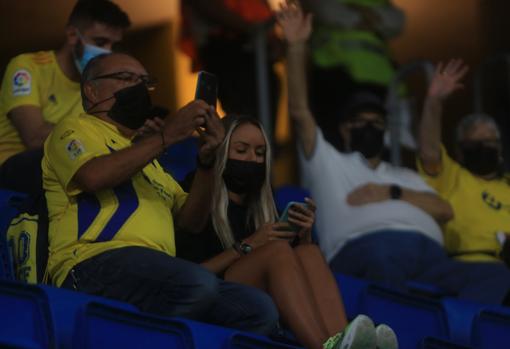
(395, 257)
(158, 283)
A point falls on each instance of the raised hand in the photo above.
(185, 121)
(447, 78)
(368, 193)
(211, 137)
(296, 25)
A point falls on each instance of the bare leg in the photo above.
(276, 269)
(324, 287)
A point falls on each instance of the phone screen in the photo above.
(207, 88)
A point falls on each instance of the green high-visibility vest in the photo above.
(362, 53)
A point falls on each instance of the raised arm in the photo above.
(110, 170)
(297, 27)
(194, 214)
(444, 83)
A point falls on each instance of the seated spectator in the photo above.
(244, 243)
(376, 221)
(113, 208)
(39, 89)
(474, 184)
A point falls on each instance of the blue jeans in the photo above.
(158, 283)
(395, 257)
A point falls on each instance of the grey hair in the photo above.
(261, 209)
(471, 120)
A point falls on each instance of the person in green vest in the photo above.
(349, 53)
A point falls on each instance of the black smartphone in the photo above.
(207, 88)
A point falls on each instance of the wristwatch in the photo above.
(243, 248)
(395, 192)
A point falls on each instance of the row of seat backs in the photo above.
(426, 322)
(37, 316)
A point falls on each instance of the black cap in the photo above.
(363, 102)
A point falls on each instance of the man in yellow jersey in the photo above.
(39, 89)
(113, 209)
(475, 184)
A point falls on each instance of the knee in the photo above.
(308, 252)
(266, 316)
(201, 285)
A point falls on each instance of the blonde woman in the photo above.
(245, 244)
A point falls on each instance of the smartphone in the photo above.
(285, 214)
(207, 88)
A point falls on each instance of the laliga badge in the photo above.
(21, 83)
(74, 149)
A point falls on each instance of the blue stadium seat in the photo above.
(65, 304)
(287, 193)
(461, 314)
(249, 341)
(180, 158)
(411, 317)
(436, 343)
(8, 211)
(25, 317)
(491, 329)
(101, 326)
(352, 290)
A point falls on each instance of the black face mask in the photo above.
(132, 106)
(481, 159)
(368, 140)
(244, 177)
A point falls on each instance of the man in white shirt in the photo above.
(375, 220)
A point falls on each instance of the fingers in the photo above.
(312, 206)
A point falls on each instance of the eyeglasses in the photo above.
(130, 77)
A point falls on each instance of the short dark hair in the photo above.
(85, 12)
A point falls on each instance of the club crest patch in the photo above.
(74, 149)
(21, 83)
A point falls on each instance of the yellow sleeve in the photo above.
(447, 177)
(69, 147)
(180, 196)
(20, 84)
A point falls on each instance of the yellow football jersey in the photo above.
(481, 209)
(136, 213)
(35, 79)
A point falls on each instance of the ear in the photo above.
(344, 129)
(72, 36)
(90, 92)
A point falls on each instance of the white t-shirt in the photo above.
(331, 176)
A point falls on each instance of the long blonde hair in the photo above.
(261, 208)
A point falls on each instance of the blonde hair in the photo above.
(261, 208)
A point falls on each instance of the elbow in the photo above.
(446, 213)
(33, 142)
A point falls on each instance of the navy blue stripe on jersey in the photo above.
(128, 203)
(88, 209)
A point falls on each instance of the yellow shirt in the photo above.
(481, 208)
(34, 79)
(82, 225)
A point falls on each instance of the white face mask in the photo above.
(89, 52)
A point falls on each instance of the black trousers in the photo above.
(158, 283)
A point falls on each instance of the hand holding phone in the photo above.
(284, 218)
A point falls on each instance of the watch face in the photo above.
(246, 248)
